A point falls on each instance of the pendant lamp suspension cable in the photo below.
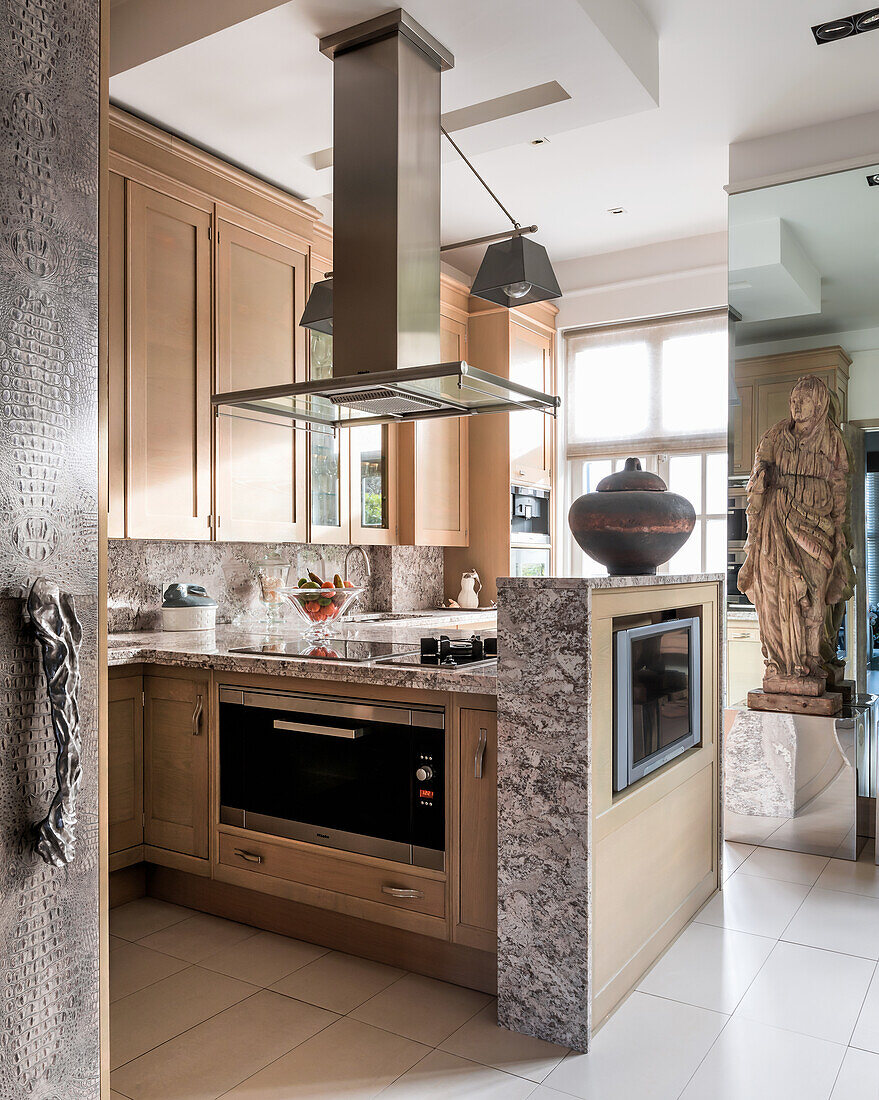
(458, 150)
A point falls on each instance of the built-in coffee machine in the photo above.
(529, 531)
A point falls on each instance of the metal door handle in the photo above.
(59, 633)
(325, 731)
(251, 857)
(480, 753)
(196, 716)
(402, 892)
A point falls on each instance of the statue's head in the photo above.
(809, 400)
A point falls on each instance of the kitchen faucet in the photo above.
(351, 550)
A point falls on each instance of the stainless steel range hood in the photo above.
(386, 238)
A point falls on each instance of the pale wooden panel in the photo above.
(742, 432)
(744, 661)
(116, 359)
(125, 761)
(530, 450)
(176, 764)
(169, 367)
(477, 888)
(260, 470)
(647, 869)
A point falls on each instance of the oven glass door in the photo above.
(529, 561)
(334, 781)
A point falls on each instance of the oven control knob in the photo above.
(424, 772)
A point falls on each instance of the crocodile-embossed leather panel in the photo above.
(49, 1036)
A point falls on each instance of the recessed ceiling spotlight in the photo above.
(845, 27)
(616, 210)
(540, 141)
(873, 179)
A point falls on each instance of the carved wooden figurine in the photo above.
(798, 563)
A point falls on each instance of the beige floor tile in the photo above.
(346, 1061)
(338, 982)
(134, 967)
(264, 958)
(422, 1008)
(157, 1013)
(198, 937)
(144, 916)
(210, 1059)
(442, 1076)
(481, 1040)
(118, 1096)
(116, 942)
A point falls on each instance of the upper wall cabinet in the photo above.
(261, 463)
(764, 385)
(168, 355)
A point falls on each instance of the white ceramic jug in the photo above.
(469, 594)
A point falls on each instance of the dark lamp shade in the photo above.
(518, 264)
(318, 312)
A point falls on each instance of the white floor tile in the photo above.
(421, 1008)
(647, 1050)
(818, 993)
(442, 1076)
(198, 937)
(263, 959)
(543, 1093)
(338, 982)
(481, 1040)
(859, 1077)
(751, 1061)
(145, 915)
(866, 1033)
(859, 877)
(346, 1061)
(837, 921)
(786, 866)
(709, 967)
(734, 855)
(760, 906)
(134, 967)
(210, 1059)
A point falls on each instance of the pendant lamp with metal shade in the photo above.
(318, 312)
(515, 271)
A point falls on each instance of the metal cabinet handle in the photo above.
(251, 857)
(59, 634)
(352, 734)
(402, 892)
(479, 760)
(196, 716)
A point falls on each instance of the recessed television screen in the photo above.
(657, 697)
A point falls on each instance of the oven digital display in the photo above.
(425, 793)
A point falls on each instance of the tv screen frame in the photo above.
(626, 770)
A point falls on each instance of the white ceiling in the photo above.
(260, 94)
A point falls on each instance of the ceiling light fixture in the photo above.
(873, 179)
(848, 25)
(616, 210)
(514, 270)
(318, 312)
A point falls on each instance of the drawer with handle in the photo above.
(327, 872)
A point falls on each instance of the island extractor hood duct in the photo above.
(386, 247)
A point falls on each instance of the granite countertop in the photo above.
(210, 649)
(741, 614)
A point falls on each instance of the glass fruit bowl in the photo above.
(322, 608)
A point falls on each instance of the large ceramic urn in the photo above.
(631, 523)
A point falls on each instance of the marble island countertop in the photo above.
(212, 649)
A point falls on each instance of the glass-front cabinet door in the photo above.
(373, 518)
(530, 431)
(327, 460)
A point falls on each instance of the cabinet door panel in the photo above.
(530, 432)
(742, 442)
(176, 764)
(169, 367)
(441, 462)
(125, 761)
(261, 461)
(477, 882)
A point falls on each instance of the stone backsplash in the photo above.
(404, 578)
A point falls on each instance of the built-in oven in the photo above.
(353, 774)
(736, 514)
(735, 559)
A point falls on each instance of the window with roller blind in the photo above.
(656, 390)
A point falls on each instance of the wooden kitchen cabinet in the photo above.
(168, 358)
(125, 762)
(744, 660)
(176, 723)
(764, 384)
(530, 432)
(261, 463)
(476, 910)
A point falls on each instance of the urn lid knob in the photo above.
(631, 478)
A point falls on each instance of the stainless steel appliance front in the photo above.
(350, 774)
